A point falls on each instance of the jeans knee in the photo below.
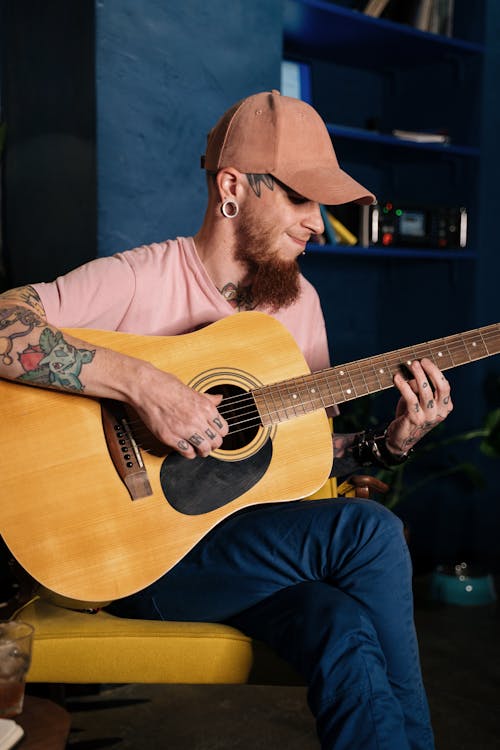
(377, 519)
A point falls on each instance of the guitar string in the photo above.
(242, 400)
(390, 358)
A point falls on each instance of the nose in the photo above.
(313, 219)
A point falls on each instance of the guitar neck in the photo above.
(292, 398)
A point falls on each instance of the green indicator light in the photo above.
(385, 210)
(399, 212)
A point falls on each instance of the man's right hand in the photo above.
(177, 415)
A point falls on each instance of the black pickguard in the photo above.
(199, 485)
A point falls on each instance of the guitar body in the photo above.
(67, 516)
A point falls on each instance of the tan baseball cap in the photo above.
(272, 134)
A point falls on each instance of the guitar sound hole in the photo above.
(239, 410)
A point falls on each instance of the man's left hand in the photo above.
(425, 402)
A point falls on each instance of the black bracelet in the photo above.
(370, 447)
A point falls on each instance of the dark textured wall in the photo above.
(49, 220)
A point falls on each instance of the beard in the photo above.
(275, 282)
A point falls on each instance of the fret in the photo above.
(285, 404)
(449, 353)
(482, 339)
(292, 398)
(332, 399)
(466, 347)
(339, 373)
(349, 390)
(365, 384)
(379, 372)
(277, 414)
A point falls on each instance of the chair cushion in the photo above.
(78, 647)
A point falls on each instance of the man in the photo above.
(327, 584)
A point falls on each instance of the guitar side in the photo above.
(68, 518)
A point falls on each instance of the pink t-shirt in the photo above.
(163, 289)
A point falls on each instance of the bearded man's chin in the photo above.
(276, 284)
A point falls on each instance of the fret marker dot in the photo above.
(440, 354)
(474, 343)
(409, 362)
(294, 395)
(349, 391)
(313, 390)
(341, 372)
(381, 371)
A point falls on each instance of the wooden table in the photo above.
(46, 725)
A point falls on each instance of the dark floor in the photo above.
(460, 648)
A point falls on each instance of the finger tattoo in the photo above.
(425, 384)
(446, 400)
(417, 407)
(217, 422)
(430, 404)
(210, 434)
(196, 439)
(182, 445)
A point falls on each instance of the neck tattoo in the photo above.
(238, 296)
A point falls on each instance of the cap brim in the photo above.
(330, 186)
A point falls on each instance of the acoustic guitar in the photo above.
(94, 508)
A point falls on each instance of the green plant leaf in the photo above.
(490, 446)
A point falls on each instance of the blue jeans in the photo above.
(327, 584)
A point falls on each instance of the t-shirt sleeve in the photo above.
(95, 295)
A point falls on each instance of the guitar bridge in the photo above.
(123, 449)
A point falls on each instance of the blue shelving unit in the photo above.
(320, 30)
(316, 28)
(404, 253)
(358, 134)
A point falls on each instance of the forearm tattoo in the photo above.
(54, 362)
(49, 360)
(257, 180)
(23, 321)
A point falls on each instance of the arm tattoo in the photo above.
(54, 362)
(22, 320)
(26, 295)
(257, 180)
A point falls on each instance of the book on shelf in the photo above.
(329, 233)
(333, 225)
(441, 21)
(421, 136)
(296, 80)
(375, 8)
(435, 16)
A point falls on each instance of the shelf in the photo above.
(358, 134)
(404, 253)
(316, 28)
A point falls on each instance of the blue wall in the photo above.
(165, 72)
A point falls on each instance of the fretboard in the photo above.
(292, 398)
